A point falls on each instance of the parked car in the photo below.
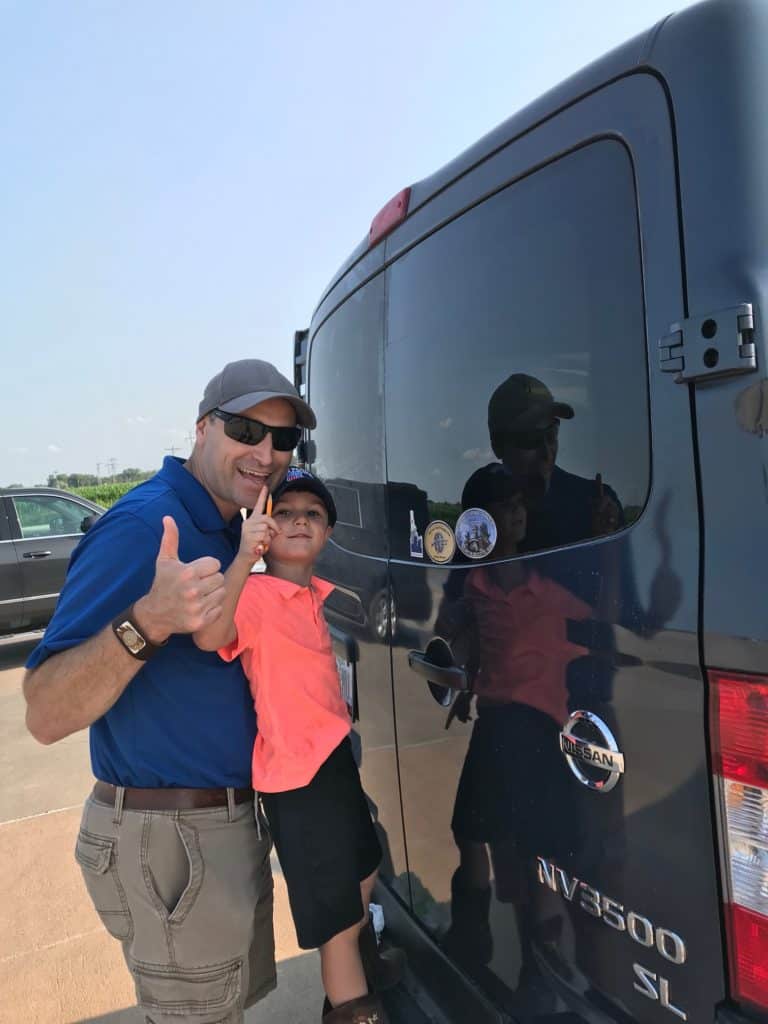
(363, 599)
(39, 529)
(588, 839)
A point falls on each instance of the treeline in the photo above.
(66, 481)
(103, 494)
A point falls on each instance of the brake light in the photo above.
(739, 722)
(389, 216)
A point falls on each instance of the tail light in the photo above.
(739, 709)
(389, 216)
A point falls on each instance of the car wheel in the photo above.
(382, 616)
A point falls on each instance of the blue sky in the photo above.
(181, 179)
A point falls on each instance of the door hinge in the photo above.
(719, 344)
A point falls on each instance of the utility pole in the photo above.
(173, 449)
(113, 467)
(98, 472)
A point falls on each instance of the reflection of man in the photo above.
(524, 423)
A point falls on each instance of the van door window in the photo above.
(516, 335)
(347, 394)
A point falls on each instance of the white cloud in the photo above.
(138, 419)
(54, 448)
(478, 455)
(446, 423)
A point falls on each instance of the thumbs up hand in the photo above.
(606, 514)
(184, 596)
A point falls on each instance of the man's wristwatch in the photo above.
(132, 638)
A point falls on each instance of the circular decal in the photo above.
(439, 541)
(476, 533)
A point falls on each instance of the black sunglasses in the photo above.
(531, 440)
(247, 431)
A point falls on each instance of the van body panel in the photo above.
(723, 157)
(653, 700)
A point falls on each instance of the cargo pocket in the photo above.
(206, 995)
(96, 857)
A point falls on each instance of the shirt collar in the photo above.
(483, 582)
(194, 497)
(320, 589)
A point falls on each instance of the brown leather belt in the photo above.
(167, 799)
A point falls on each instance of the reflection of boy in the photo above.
(520, 617)
(518, 621)
(303, 765)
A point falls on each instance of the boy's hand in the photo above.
(258, 530)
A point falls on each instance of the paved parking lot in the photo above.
(57, 964)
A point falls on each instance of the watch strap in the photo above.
(126, 630)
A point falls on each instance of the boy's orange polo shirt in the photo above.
(524, 643)
(285, 648)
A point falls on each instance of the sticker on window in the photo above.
(439, 541)
(476, 533)
(417, 541)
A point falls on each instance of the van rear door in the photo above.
(559, 832)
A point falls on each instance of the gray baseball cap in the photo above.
(247, 382)
(522, 402)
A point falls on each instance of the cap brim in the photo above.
(311, 487)
(537, 417)
(304, 415)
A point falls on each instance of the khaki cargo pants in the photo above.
(189, 896)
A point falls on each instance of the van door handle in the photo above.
(452, 676)
(37, 554)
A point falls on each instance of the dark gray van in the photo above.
(545, 370)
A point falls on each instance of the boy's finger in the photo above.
(261, 501)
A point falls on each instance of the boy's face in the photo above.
(303, 521)
(511, 518)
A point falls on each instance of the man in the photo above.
(524, 423)
(172, 855)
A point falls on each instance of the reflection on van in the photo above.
(569, 315)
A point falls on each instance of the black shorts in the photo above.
(515, 784)
(326, 845)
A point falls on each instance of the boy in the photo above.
(302, 759)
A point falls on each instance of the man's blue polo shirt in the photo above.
(186, 718)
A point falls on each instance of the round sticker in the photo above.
(439, 541)
(476, 533)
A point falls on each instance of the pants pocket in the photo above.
(207, 995)
(173, 870)
(97, 858)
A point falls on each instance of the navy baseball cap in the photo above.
(301, 480)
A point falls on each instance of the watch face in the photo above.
(131, 638)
